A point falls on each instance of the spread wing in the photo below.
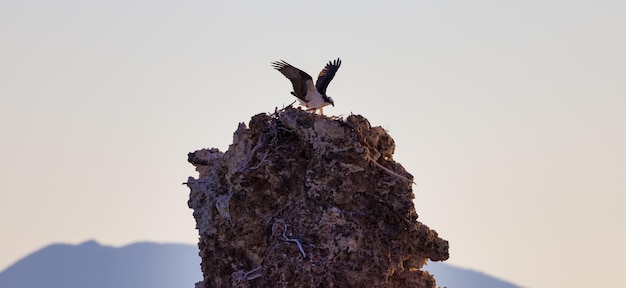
(326, 75)
(299, 79)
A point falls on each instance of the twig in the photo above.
(286, 238)
(297, 241)
(388, 170)
(242, 277)
(260, 162)
(245, 163)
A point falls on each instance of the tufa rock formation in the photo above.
(304, 200)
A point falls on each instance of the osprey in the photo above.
(312, 97)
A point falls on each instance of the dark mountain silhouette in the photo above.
(156, 266)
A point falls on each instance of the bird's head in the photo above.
(329, 100)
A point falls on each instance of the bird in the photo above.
(313, 97)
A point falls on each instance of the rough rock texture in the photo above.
(304, 200)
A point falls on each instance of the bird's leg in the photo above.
(321, 110)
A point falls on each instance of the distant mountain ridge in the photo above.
(453, 277)
(154, 265)
(96, 266)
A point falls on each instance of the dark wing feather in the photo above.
(297, 77)
(326, 75)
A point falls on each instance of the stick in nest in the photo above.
(388, 170)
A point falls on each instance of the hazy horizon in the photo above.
(509, 115)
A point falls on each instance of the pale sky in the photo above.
(511, 115)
